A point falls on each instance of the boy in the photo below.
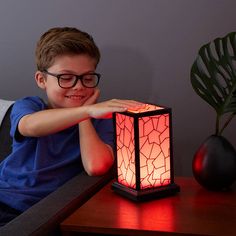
(54, 141)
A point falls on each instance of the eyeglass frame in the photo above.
(78, 77)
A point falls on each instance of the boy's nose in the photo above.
(78, 85)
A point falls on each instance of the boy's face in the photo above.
(67, 64)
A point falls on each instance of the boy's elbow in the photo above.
(99, 170)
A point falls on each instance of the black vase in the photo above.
(214, 164)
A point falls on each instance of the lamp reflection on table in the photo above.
(146, 215)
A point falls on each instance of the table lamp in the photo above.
(144, 155)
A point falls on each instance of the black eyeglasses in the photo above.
(89, 80)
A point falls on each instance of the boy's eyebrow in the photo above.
(74, 73)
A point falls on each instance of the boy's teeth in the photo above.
(75, 96)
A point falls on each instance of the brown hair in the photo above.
(65, 40)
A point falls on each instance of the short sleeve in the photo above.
(105, 130)
(22, 107)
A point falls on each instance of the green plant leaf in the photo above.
(213, 74)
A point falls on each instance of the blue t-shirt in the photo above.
(38, 166)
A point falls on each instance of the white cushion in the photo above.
(4, 106)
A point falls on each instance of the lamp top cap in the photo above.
(146, 108)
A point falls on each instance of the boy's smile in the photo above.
(76, 97)
(70, 97)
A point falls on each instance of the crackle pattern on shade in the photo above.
(154, 144)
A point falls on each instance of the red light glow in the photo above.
(125, 150)
(146, 216)
(147, 107)
(154, 149)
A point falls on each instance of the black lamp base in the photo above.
(146, 194)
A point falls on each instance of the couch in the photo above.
(44, 217)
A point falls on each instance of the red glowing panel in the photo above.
(125, 150)
(154, 137)
(154, 150)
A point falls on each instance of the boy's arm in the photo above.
(50, 121)
(54, 120)
(97, 156)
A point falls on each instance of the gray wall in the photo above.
(147, 48)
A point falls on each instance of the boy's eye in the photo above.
(67, 77)
(89, 78)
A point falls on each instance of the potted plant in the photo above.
(213, 77)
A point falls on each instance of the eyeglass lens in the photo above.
(69, 81)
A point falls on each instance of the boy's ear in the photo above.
(40, 79)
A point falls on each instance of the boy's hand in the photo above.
(93, 99)
(105, 109)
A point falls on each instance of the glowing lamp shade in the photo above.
(143, 140)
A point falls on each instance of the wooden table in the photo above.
(193, 211)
